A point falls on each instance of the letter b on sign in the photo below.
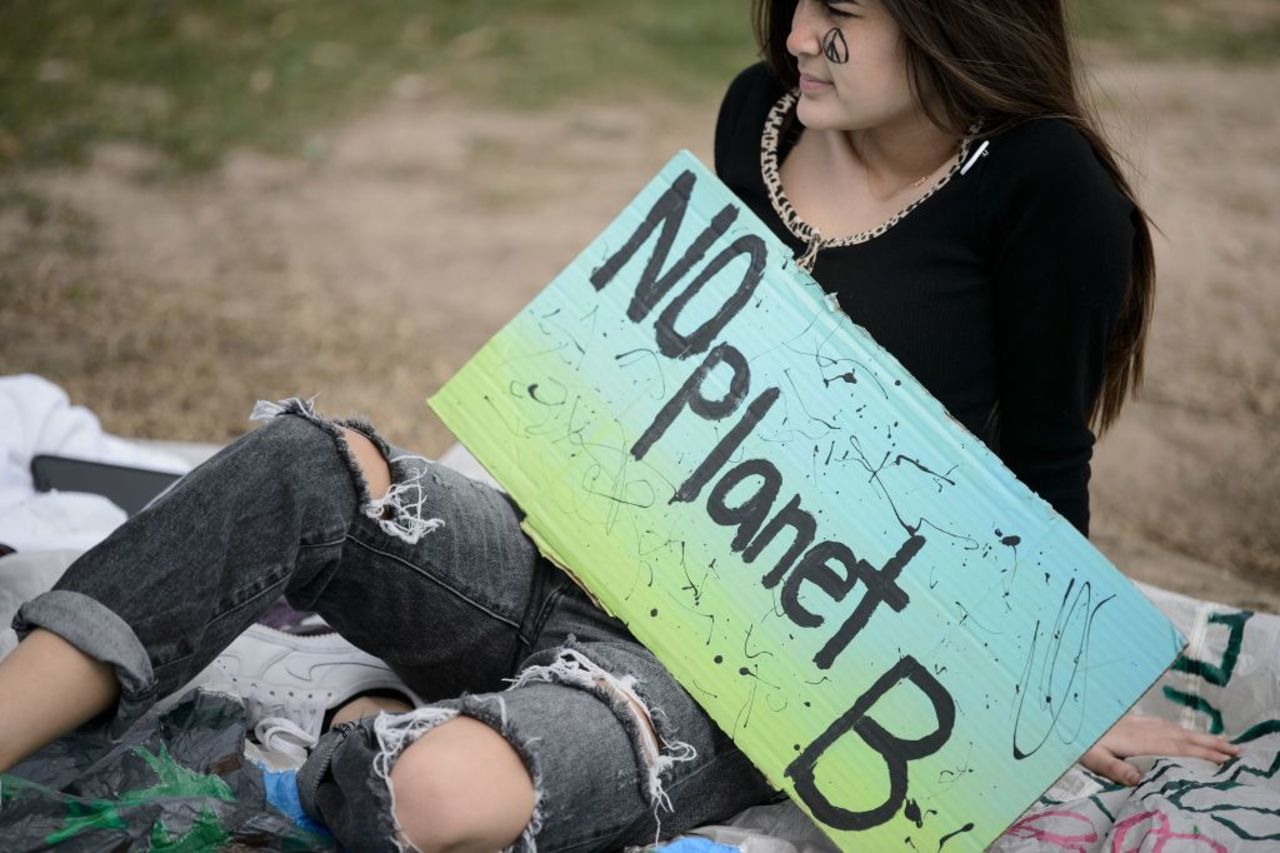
(895, 751)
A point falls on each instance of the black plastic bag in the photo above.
(177, 781)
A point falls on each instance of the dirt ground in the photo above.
(367, 273)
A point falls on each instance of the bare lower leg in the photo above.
(462, 788)
(47, 688)
(368, 706)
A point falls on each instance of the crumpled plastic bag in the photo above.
(177, 781)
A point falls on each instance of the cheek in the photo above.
(876, 76)
(897, 82)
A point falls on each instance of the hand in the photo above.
(1136, 734)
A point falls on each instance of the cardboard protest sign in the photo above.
(896, 631)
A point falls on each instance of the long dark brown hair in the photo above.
(1003, 62)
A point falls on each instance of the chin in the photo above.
(821, 116)
(812, 115)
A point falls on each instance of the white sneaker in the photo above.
(290, 681)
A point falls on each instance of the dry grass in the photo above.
(1195, 465)
(366, 267)
(367, 279)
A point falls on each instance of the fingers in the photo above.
(1213, 755)
(1218, 744)
(1105, 764)
(1197, 745)
(1140, 735)
(1175, 740)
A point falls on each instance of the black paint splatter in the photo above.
(942, 841)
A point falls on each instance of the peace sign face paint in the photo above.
(834, 46)
(852, 63)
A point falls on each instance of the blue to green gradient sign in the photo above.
(894, 629)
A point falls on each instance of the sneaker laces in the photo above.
(284, 736)
(290, 728)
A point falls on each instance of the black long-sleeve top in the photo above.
(998, 291)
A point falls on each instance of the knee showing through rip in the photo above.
(377, 474)
(461, 787)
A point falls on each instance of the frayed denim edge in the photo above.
(399, 512)
(396, 732)
(653, 749)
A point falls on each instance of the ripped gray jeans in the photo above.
(437, 579)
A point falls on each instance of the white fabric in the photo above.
(23, 576)
(36, 417)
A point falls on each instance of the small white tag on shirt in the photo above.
(981, 152)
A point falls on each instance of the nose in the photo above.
(804, 38)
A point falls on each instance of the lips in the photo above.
(811, 84)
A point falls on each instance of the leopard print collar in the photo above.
(813, 240)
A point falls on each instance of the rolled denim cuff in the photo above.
(100, 633)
